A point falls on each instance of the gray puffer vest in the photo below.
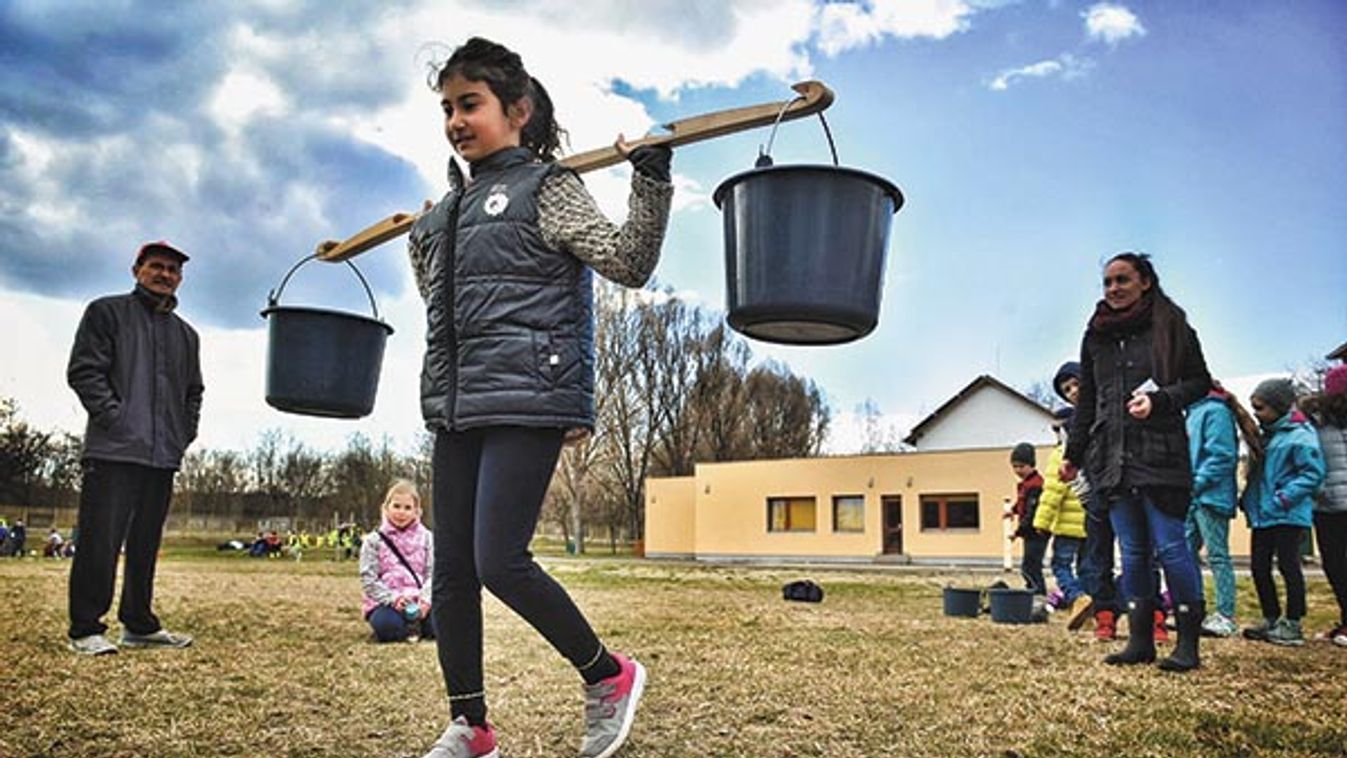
(1333, 497)
(510, 327)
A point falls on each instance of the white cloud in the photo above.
(1064, 66)
(842, 26)
(1111, 23)
(243, 94)
(250, 160)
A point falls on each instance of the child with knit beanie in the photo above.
(1027, 492)
(1278, 501)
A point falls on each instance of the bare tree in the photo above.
(787, 416)
(23, 454)
(359, 475)
(719, 395)
(1042, 392)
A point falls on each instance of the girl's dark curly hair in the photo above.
(481, 60)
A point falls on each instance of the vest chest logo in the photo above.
(497, 200)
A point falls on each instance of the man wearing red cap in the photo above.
(136, 369)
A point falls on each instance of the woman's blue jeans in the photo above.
(1144, 531)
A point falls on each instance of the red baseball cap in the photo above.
(160, 247)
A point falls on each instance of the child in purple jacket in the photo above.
(396, 561)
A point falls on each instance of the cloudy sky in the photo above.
(1032, 139)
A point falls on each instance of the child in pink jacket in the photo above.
(396, 561)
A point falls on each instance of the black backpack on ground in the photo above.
(804, 591)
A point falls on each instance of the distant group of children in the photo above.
(1295, 479)
(14, 541)
(343, 539)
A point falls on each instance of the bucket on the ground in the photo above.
(1011, 606)
(962, 602)
(323, 362)
(804, 249)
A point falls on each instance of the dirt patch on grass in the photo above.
(283, 666)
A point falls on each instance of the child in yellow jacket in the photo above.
(1062, 515)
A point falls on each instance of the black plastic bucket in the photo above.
(1011, 606)
(804, 250)
(962, 602)
(323, 362)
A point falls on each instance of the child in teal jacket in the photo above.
(1213, 446)
(1279, 503)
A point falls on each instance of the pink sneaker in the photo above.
(463, 740)
(610, 708)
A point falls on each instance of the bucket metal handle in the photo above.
(274, 296)
(765, 153)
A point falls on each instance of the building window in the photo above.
(941, 513)
(849, 513)
(790, 514)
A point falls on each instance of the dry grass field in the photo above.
(283, 666)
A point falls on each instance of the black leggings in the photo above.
(488, 489)
(1330, 530)
(1284, 542)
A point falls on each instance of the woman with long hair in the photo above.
(1141, 366)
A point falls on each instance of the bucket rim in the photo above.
(889, 187)
(270, 309)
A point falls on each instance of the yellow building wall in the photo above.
(721, 512)
(670, 517)
(731, 504)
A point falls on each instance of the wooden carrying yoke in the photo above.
(814, 96)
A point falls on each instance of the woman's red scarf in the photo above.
(1130, 319)
(1169, 347)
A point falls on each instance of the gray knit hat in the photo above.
(1023, 453)
(1279, 394)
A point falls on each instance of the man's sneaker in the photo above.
(1081, 610)
(1218, 625)
(161, 638)
(94, 644)
(1259, 632)
(1286, 632)
(610, 708)
(463, 740)
(1161, 631)
(1105, 626)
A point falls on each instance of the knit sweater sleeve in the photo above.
(570, 220)
(420, 260)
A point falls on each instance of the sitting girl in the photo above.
(395, 564)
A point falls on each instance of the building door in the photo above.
(893, 524)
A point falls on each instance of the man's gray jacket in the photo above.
(136, 368)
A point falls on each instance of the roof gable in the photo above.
(983, 383)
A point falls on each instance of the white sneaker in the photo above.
(161, 638)
(94, 644)
(1217, 625)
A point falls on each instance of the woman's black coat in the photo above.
(1116, 450)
